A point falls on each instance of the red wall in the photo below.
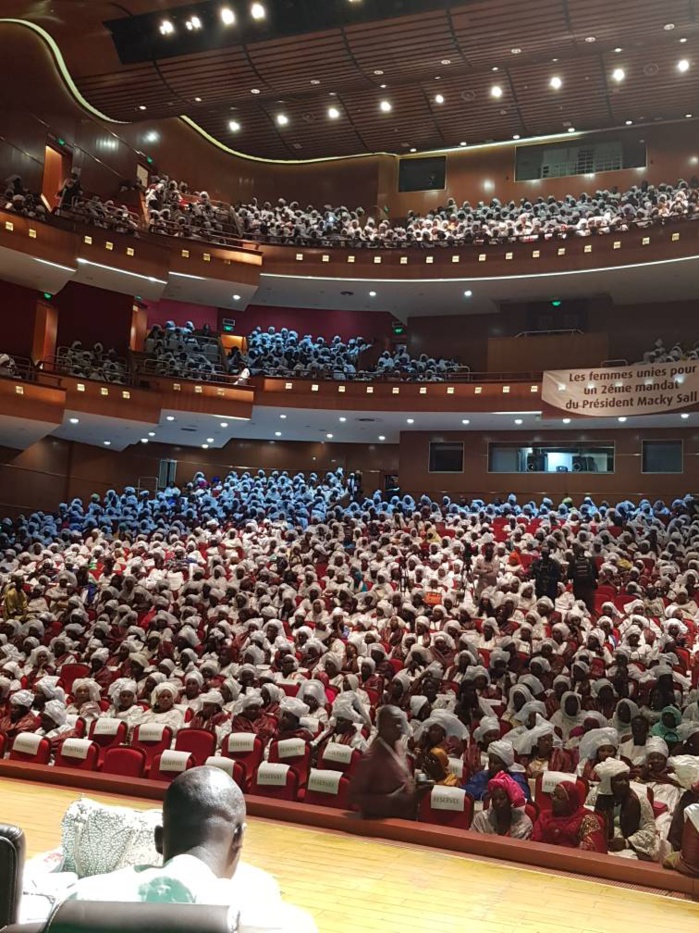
(18, 306)
(92, 314)
(372, 325)
(180, 312)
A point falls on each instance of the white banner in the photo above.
(643, 389)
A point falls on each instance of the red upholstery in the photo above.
(300, 763)
(289, 791)
(70, 673)
(88, 763)
(3, 743)
(152, 749)
(344, 767)
(130, 762)
(199, 742)
(543, 800)
(290, 689)
(248, 760)
(103, 742)
(329, 798)
(459, 819)
(156, 774)
(230, 766)
(40, 757)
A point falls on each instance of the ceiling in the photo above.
(299, 65)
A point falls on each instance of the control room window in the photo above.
(446, 458)
(662, 457)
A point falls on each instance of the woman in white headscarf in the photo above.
(631, 828)
(123, 696)
(666, 789)
(569, 716)
(86, 695)
(162, 707)
(54, 724)
(596, 746)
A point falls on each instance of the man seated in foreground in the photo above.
(201, 840)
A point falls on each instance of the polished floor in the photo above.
(351, 884)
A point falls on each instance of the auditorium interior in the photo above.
(407, 615)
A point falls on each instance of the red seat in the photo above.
(290, 687)
(230, 766)
(447, 806)
(294, 752)
(80, 728)
(79, 754)
(30, 747)
(69, 673)
(245, 748)
(198, 742)
(3, 743)
(153, 739)
(273, 779)
(546, 784)
(327, 789)
(130, 762)
(106, 733)
(338, 757)
(169, 764)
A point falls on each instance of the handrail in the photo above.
(26, 371)
(466, 375)
(548, 333)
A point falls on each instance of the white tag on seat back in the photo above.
(448, 798)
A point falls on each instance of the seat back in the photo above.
(327, 789)
(245, 748)
(116, 917)
(80, 754)
(338, 757)
(28, 746)
(120, 759)
(198, 742)
(294, 752)
(273, 779)
(546, 783)
(12, 848)
(169, 764)
(69, 673)
(154, 739)
(230, 766)
(447, 806)
(107, 732)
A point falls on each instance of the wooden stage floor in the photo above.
(352, 884)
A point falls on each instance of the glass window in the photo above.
(446, 458)
(551, 458)
(662, 457)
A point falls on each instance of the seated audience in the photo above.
(569, 823)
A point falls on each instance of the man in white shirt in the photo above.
(201, 840)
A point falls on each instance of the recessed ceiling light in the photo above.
(571, 129)
(236, 297)
(343, 419)
(629, 122)
(446, 61)
(590, 39)
(683, 65)
(372, 294)
(329, 436)
(333, 113)
(439, 98)
(496, 91)
(193, 23)
(413, 150)
(277, 433)
(688, 116)
(74, 420)
(197, 100)
(209, 440)
(382, 437)
(109, 443)
(618, 49)
(683, 39)
(518, 420)
(378, 71)
(465, 421)
(227, 16)
(410, 420)
(315, 81)
(166, 28)
(144, 440)
(516, 51)
(622, 419)
(257, 11)
(668, 27)
(468, 293)
(255, 90)
(151, 434)
(618, 74)
(385, 106)
(516, 136)
(142, 107)
(556, 83)
(224, 424)
(463, 143)
(234, 126)
(566, 421)
(283, 417)
(205, 446)
(282, 119)
(170, 418)
(684, 415)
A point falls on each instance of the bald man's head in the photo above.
(203, 815)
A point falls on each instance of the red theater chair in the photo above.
(153, 739)
(129, 762)
(447, 806)
(327, 789)
(547, 782)
(106, 733)
(169, 764)
(198, 742)
(79, 754)
(3, 743)
(294, 752)
(230, 766)
(273, 779)
(70, 673)
(245, 748)
(30, 747)
(338, 757)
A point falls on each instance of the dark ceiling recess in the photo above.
(138, 38)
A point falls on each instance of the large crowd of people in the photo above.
(674, 354)
(498, 648)
(94, 362)
(183, 352)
